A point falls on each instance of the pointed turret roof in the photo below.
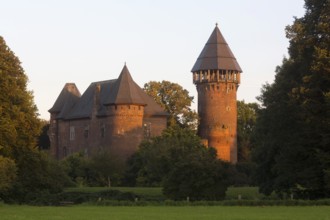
(68, 97)
(216, 54)
(125, 90)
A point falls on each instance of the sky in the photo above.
(84, 41)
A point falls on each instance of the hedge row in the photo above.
(118, 198)
(325, 202)
(79, 197)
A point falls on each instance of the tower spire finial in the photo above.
(216, 24)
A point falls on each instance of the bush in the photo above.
(204, 179)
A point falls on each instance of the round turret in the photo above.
(216, 75)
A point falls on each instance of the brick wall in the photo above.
(217, 110)
(120, 132)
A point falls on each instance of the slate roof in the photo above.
(84, 107)
(216, 54)
(125, 90)
(116, 91)
(68, 97)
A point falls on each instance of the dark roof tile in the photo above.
(116, 91)
(216, 54)
(125, 90)
(68, 97)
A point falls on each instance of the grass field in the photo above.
(82, 212)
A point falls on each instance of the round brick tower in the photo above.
(216, 75)
(125, 111)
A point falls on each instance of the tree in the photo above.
(77, 168)
(19, 124)
(43, 139)
(37, 174)
(7, 173)
(292, 131)
(181, 164)
(246, 120)
(107, 169)
(197, 176)
(155, 157)
(19, 129)
(175, 100)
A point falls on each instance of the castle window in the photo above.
(64, 152)
(86, 132)
(103, 131)
(147, 130)
(72, 133)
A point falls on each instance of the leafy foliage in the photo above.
(246, 121)
(107, 170)
(28, 171)
(197, 177)
(7, 173)
(19, 124)
(98, 170)
(76, 167)
(181, 164)
(37, 174)
(155, 157)
(292, 131)
(43, 139)
(175, 100)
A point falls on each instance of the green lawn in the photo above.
(250, 193)
(13, 212)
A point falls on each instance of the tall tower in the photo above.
(125, 108)
(216, 75)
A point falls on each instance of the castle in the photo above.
(113, 116)
(116, 115)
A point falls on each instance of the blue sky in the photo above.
(61, 41)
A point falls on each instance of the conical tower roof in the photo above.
(216, 54)
(68, 97)
(125, 90)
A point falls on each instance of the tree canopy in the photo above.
(246, 120)
(175, 100)
(19, 123)
(181, 164)
(292, 131)
(23, 169)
